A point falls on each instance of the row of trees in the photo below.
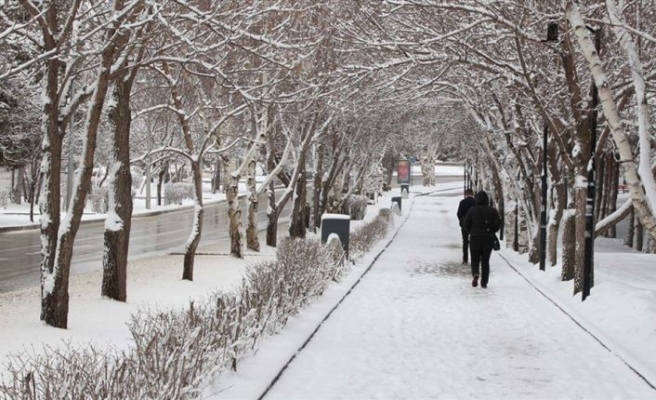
(334, 89)
(581, 72)
(238, 82)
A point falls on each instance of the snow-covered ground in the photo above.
(412, 328)
(415, 328)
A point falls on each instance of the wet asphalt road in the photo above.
(20, 251)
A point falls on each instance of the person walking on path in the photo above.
(463, 207)
(481, 222)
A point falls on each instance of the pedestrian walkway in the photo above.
(414, 328)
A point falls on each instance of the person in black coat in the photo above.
(463, 207)
(481, 221)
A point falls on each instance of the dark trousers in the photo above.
(465, 244)
(481, 250)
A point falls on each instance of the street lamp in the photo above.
(552, 36)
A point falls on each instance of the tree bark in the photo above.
(316, 197)
(117, 226)
(252, 241)
(272, 219)
(234, 210)
(197, 229)
(634, 182)
(569, 244)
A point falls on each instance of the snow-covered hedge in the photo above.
(99, 199)
(176, 352)
(367, 235)
(174, 193)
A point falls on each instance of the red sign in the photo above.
(403, 171)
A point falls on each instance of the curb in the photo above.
(37, 225)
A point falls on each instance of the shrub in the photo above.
(176, 351)
(367, 235)
(174, 193)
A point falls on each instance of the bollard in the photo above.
(395, 208)
(398, 200)
(339, 224)
(405, 190)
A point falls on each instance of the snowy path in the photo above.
(415, 328)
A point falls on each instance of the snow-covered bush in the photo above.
(174, 193)
(4, 197)
(176, 352)
(367, 235)
(355, 206)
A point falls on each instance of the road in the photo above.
(20, 251)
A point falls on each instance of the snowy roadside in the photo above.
(259, 370)
(153, 283)
(620, 314)
(16, 217)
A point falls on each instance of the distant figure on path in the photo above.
(481, 222)
(463, 207)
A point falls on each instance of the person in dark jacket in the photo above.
(481, 222)
(463, 207)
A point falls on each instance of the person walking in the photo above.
(481, 222)
(463, 207)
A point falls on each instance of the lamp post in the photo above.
(552, 36)
(588, 259)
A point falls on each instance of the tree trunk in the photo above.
(612, 194)
(216, 177)
(35, 191)
(18, 187)
(555, 220)
(534, 248)
(117, 225)
(252, 241)
(272, 217)
(54, 278)
(569, 244)
(637, 235)
(197, 229)
(234, 211)
(297, 217)
(628, 239)
(580, 197)
(316, 197)
(160, 180)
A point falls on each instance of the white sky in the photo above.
(413, 328)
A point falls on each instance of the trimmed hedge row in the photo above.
(176, 352)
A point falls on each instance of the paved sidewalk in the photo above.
(414, 328)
